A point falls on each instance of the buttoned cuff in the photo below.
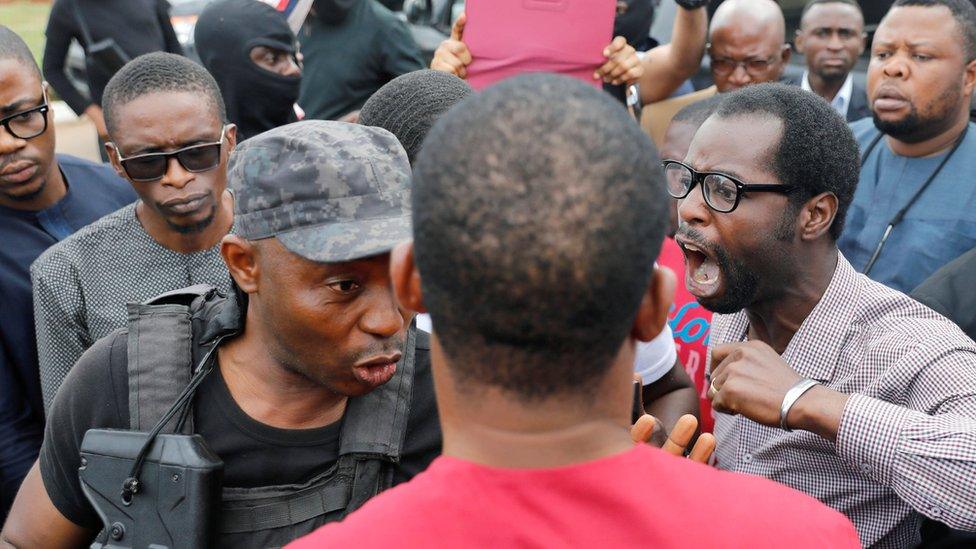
(869, 435)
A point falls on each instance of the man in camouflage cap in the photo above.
(326, 385)
(328, 192)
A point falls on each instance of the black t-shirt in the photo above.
(95, 395)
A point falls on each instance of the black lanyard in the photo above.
(901, 213)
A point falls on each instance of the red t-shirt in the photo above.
(640, 498)
(690, 323)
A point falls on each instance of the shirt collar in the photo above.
(816, 346)
(842, 100)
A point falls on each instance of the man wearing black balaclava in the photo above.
(633, 22)
(352, 48)
(252, 54)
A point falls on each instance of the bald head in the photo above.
(747, 43)
(755, 16)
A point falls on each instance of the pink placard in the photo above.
(509, 37)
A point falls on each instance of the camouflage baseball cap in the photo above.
(329, 191)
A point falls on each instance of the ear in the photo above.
(113, 158)
(240, 255)
(652, 313)
(970, 78)
(787, 52)
(406, 278)
(817, 216)
(231, 137)
(864, 43)
(798, 39)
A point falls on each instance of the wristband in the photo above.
(791, 397)
(691, 4)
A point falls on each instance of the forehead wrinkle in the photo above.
(764, 162)
(859, 23)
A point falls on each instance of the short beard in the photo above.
(194, 228)
(915, 129)
(832, 77)
(742, 283)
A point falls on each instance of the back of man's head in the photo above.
(12, 46)
(159, 72)
(539, 209)
(408, 105)
(696, 113)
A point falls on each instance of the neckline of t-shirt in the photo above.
(261, 432)
(638, 452)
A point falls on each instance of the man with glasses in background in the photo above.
(166, 120)
(823, 379)
(746, 45)
(43, 198)
(831, 37)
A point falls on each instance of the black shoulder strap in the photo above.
(871, 146)
(168, 335)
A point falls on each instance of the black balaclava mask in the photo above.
(257, 99)
(634, 24)
(333, 12)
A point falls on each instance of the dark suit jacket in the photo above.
(858, 107)
(949, 292)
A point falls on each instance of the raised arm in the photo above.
(926, 454)
(668, 65)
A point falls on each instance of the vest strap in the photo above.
(284, 512)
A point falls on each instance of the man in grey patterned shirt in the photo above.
(825, 380)
(169, 139)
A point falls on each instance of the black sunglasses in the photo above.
(30, 123)
(152, 166)
(721, 192)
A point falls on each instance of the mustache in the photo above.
(6, 161)
(694, 236)
(387, 347)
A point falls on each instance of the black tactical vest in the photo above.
(170, 334)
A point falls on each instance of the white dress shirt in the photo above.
(843, 98)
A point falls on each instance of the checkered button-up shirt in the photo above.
(907, 440)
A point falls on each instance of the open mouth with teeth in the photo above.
(702, 273)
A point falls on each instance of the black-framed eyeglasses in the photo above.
(30, 123)
(152, 166)
(755, 66)
(721, 192)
